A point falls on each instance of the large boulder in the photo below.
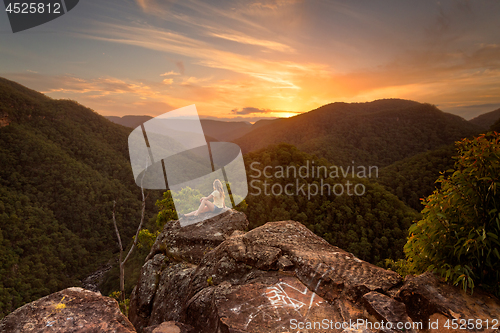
(281, 277)
(66, 311)
(160, 293)
(192, 242)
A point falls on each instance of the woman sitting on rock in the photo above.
(207, 206)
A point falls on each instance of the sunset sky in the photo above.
(254, 59)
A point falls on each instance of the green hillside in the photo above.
(496, 126)
(61, 167)
(375, 133)
(415, 177)
(373, 226)
(129, 121)
(486, 120)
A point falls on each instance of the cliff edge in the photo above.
(281, 277)
(213, 277)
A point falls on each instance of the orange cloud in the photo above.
(245, 39)
(170, 73)
(275, 55)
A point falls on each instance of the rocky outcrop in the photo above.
(214, 277)
(69, 310)
(171, 262)
(191, 243)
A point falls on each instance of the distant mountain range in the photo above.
(225, 131)
(379, 132)
(376, 133)
(486, 120)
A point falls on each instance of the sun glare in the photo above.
(285, 114)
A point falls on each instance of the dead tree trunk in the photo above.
(136, 238)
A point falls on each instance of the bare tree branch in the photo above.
(116, 227)
(136, 238)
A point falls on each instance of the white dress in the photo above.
(218, 201)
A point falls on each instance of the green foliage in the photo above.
(146, 238)
(414, 178)
(187, 200)
(458, 234)
(124, 305)
(399, 266)
(61, 167)
(167, 210)
(372, 226)
(37, 254)
(242, 206)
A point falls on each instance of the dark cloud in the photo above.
(238, 119)
(249, 110)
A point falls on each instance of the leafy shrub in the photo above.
(399, 266)
(146, 238)
(124, 305)
(458, 234)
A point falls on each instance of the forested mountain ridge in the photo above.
(373, 226)
(496, 126)
(61, 167)
(486, 120)
(129, 121)
(414, 178)
(376, 133)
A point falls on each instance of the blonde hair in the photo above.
(218, 187)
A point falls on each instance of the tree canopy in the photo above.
(61, 167)
(458, 236)
(372, 226)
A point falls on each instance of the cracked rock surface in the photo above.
(214, 277)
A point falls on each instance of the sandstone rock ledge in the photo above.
(66, 311)
(214, 277)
